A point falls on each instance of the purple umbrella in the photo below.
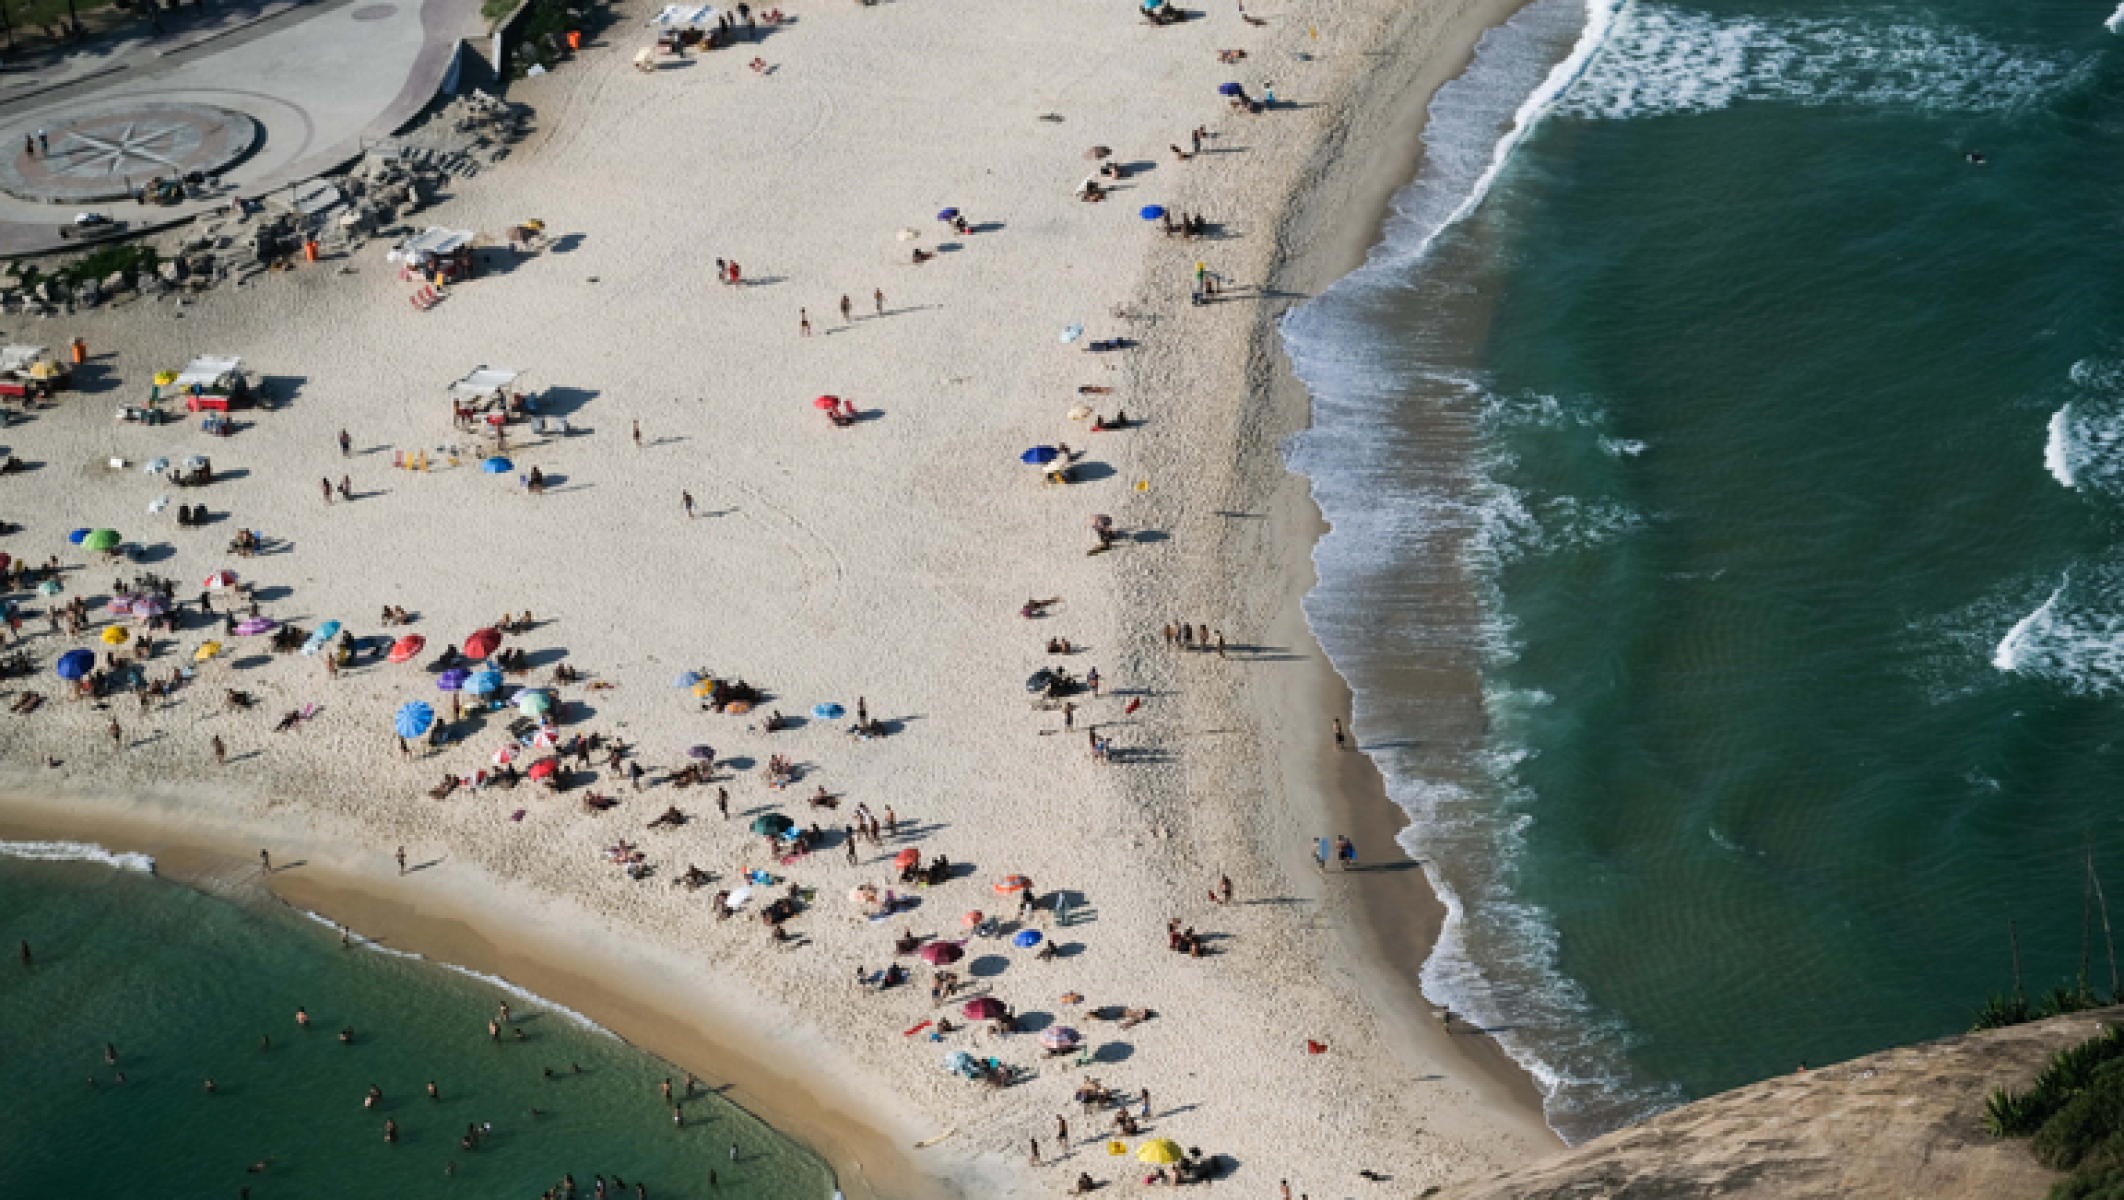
(121, 604)
(150, 606)
(452, 679)
(705, 753)
(256, 625)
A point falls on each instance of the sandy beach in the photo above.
(887, 560)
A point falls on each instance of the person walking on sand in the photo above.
(1341, 739)
(878, 298)
(401, 860)
(346, 445)
(1036, 1152)
(637, 435)
(1346, 852)
(117, 737)
(686, 502)
(1220, 643)
(803, 323)
(265, 863)
(1091, 681)
(326, 486)
(221, 751)
(1062, 1131)
(845, 309)
(1069, 716)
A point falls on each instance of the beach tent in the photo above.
(208, 373)
(485, 381)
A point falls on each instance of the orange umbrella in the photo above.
(907, 858)
(1013, 883)
(482, 643)
(407, 646)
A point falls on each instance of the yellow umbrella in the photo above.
(206, 652)
(704, 689)
(115, 635)
(1161, 1151)
(165, 378)
(44, 370)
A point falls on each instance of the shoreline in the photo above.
(1195, 798)
(630, 1000)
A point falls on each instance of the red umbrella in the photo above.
(987, 1008)
(1013, 883)
(482, 643)
(907, 858)
(542, 768)
(827, 403)
(219, 580)
(408, 646)
(940, 954)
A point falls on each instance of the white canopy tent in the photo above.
(485, 381)
(207, 372)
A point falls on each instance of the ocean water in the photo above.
(1756, 460)
(186, 986)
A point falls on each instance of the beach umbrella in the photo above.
(49, 587)
(958, 1062)
(1026, 939)
(156, 467)
(483, 683)
(739, 898)
(504, 756)
(452, 679)
(158, 504)
(102, 539)
(545, 739)
(407, 646)
(702, 753)
(482, 643)
(534, 704)
(1159, 1152)
(1096, 153)
(150, 606)
(194, 463)
(826, 403)
(497, 465)
(1072, 333)
(827, 712)
(772, 824)
(326, 632)
(1229, 89)
(949, 214)
(940, 954)
(1080, 412)
(78, 536)
(543, 767)
(115, 635)
(1152, 212)
(206, 651)
(413, 719)
(75, 663)
(685, 679)
(907, 858)
(1060, 1037)
(518, 698)
(987, 1008)
(121, 604)
(972, 919)
(255, 626)
(1040, 456)
(219, 580)
(1012, 883)
(907, 235)
(706, 688)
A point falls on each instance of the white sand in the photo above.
(886, 561)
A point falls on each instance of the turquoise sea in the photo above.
(188, 988)
(1762, 455)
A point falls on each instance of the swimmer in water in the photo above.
(390, 1130)
(520, 1036)
(346, 1035)
(374, 1097)
(210, 1086)
(265, 1042)
(432, 1093)
(110, 1053)
(1975, 159)
(302, 1017)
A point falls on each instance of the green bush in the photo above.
(2088, 1130)
(2090, 1185)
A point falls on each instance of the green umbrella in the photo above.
(772, 825)
(535, 703)
(103, 539)
(49, 587)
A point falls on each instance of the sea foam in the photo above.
(1663, 60)
(79, 852)
(2057, 448)
(494, 981)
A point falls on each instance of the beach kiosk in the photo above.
(210, 384)
(485, 398)
(437, 254)
(32, 372)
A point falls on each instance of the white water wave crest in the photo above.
(1663, 60)
(79, 852)
(495, 981)
(2075, 638)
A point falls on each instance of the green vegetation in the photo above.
(495, 10)
(2073, 1116)
(2001, 1011)
(132, 258)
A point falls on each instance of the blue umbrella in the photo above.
(1025, 939)
(482, 683)
(1230, 89)
(1152, 212)
(497, 466)
(686, 679)
(452, 679)
(78, 536)
(75, 663)
(413, 719)
(827, 712)
(326, 631)
(948, 214)
(958, 1062)
(1040, 456)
